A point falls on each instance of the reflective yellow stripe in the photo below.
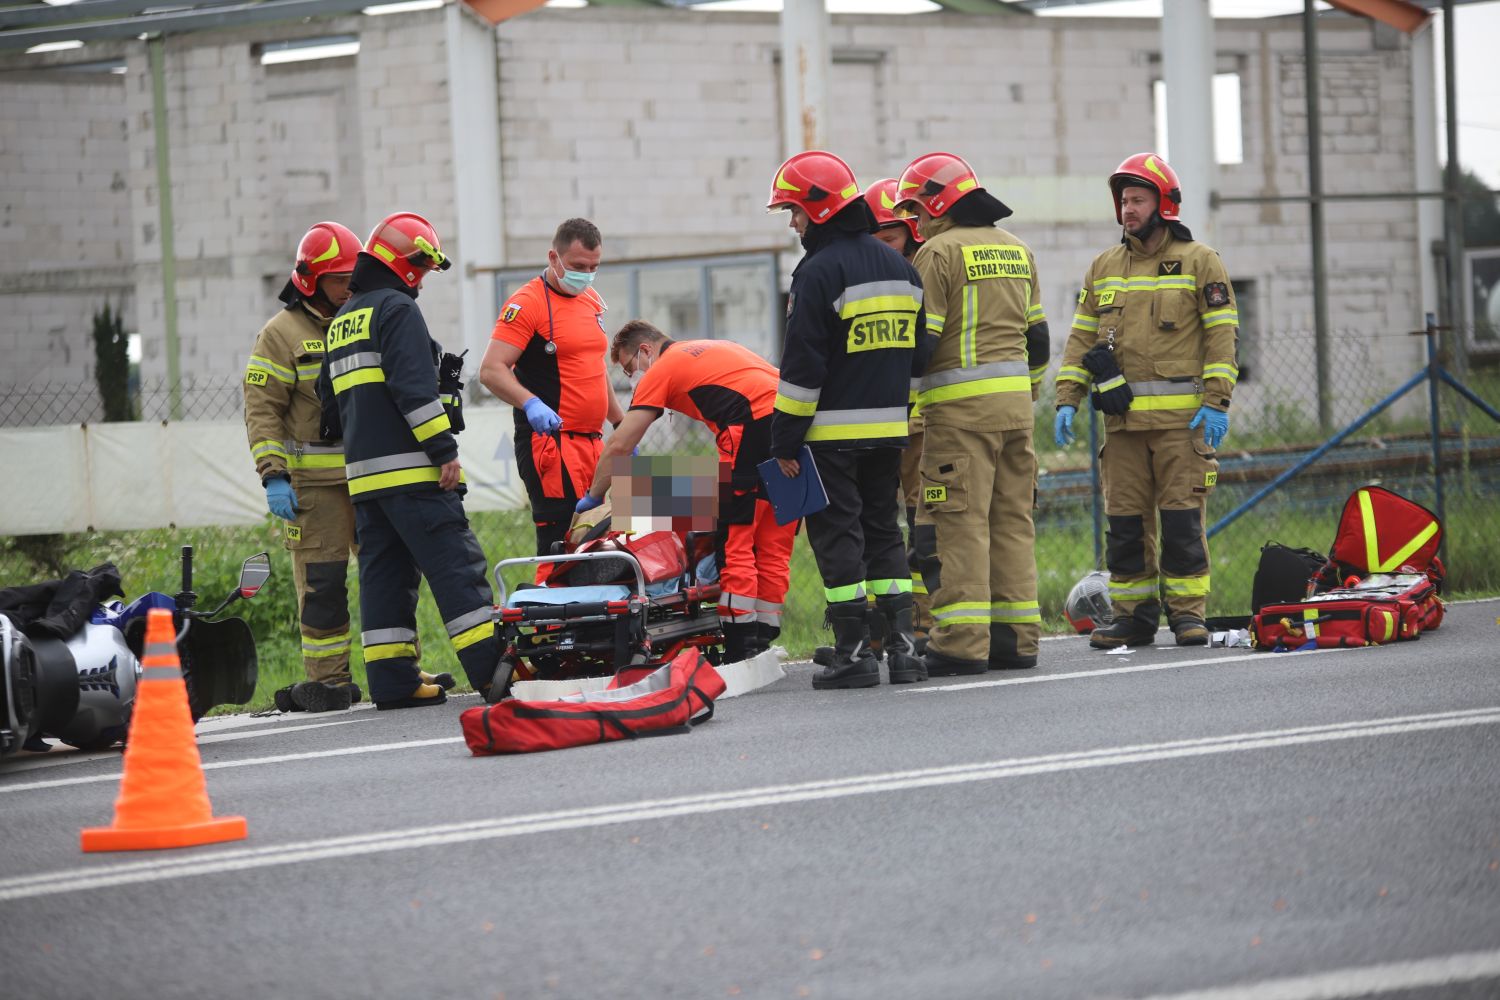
(328, 640)
(850, 432)
(1130, 589)
(428, 428)
(315, 461)
(267, 365)
(1373, 562)
(1068, 373)
(882, 588)
(1035, 314)
(1229, 373)
(1184, 402)
(1088, 324)
(795, 407)
(470, 636)
(849, 592)
(401, 477)
(390, 650)
(1144, 283)
(307, 373)
(1037, 373)
(879, 303)
(360, 376)
(1220, 317)
(1015, 612)
(978, 387)
(968, 353)
(268, 449)
(1185, 586)
(918, 585)
(935, 322)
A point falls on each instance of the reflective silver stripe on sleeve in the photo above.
(388, 463)
(994, 369)
(875, 415)
(424, 413)
(347, 364)
(800, 393)
(314, 448)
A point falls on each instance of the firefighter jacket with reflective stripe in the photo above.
(1172, 319)
(281, 405)
(854, 342)
(381, 368)
(984, 306)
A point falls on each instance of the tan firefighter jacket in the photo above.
(984, 305)
(1172, 319)
(282, 412)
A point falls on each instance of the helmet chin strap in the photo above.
(1149, 229)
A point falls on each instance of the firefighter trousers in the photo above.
(403, 538)
(1149, 477)
(921, 540)
(757, 569)
(856, 539)
(320, 542)
(978, 489)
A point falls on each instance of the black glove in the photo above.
(1111, 393)
(450, 388)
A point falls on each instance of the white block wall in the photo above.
(663, 126)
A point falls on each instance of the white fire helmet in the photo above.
(1088, 605)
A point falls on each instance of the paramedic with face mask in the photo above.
(547, 359)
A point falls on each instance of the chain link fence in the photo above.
(1275, 425)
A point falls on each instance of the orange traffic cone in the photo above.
(163, 798)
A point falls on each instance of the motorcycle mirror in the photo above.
(254, 573)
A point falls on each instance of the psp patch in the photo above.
(512, 310)
(1216, 294)
(934, 494)
(255, 377)
(294, 533)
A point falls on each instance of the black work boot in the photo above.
(823, 655)
(1190, 631)
(765, 635)
(355, 694)
(853, 665)
(315, 696)
(1003, 654)
(424, 695)
(283, 699)
(902, 661)
(737, 640)
(942, 665)
(1135, 629)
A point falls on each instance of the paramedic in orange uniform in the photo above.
(546, 358)
(732, 390)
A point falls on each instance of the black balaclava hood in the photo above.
(370, 274)
(851, 220)
(978, 208)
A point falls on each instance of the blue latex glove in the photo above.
(1062, 426)
(588, 503)
(281, 500)
(542, 418)
(1215, 425)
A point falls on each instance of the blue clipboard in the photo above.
(795, 497)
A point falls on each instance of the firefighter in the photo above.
(302, 473)
(854, 341)
(546, 358)
(732, 390)
(978, 468)
(1154, 338)
(381, 376)
(921, 550)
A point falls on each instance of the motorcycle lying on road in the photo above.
(81, 690)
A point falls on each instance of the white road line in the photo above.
(232, 736)
(1363, 981)
(360, 845)
(1112, 671)
(248, 762)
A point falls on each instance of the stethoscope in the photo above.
(551, 347)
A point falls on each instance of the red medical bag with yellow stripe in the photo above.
(1381, 583)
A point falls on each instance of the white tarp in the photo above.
(124, 476)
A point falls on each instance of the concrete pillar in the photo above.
(1187, 58)
(473, 93)
(1428, 174)
(804, 75)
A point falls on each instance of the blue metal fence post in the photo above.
(1096, 492)
(1436, 418)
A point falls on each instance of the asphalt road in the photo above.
(1162, 822)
